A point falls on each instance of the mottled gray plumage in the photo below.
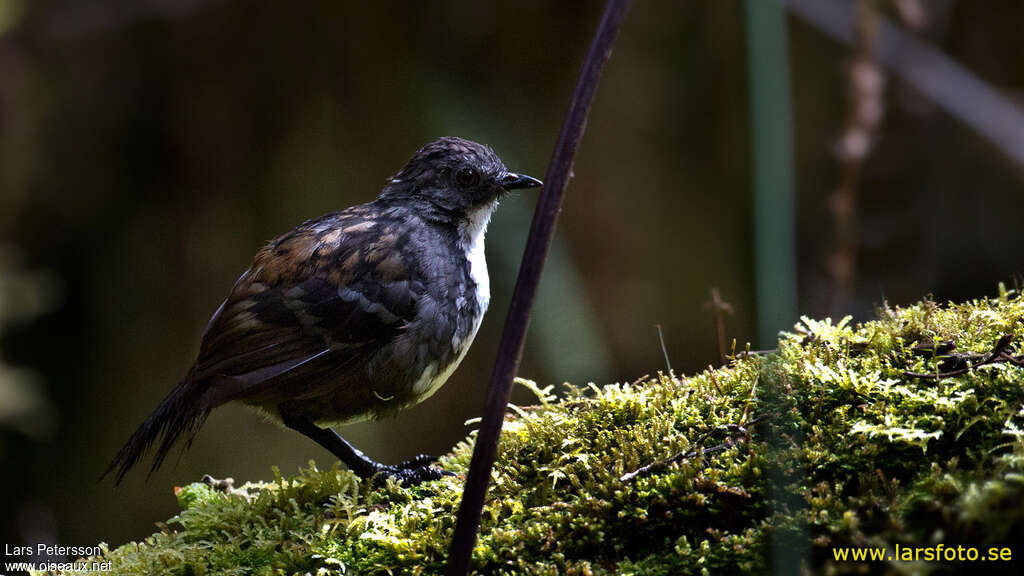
(353, 315)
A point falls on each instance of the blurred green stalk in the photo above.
(774, 196)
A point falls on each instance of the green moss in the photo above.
(853, 452)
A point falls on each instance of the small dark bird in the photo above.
(350, 316)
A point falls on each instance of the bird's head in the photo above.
(455, 175)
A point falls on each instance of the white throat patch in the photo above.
(471, 237)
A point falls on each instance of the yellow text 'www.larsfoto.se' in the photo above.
(937, 553)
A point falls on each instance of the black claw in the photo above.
(416, 462)
(409, 476)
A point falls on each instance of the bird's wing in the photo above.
(320, 298)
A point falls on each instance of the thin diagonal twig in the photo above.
(514, 335)
(736, 431)
(664, 350)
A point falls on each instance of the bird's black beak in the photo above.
(511, 181)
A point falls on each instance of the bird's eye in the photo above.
(467, 177)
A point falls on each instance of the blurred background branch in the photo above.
(865, 110)
(954, 88)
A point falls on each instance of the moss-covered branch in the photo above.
(853, 452)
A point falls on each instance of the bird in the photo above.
(351, 316)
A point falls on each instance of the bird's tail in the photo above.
(181, 413)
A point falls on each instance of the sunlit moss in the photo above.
(851, 452)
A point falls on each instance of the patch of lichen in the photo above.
(851, 451)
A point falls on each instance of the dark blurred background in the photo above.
(148, 148)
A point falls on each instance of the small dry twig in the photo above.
(719, 308)
(955, 364)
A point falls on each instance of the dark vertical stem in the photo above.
(514, 335)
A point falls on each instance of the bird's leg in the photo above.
(333, 442)
(409, 472)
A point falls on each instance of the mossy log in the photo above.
(906, 430)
